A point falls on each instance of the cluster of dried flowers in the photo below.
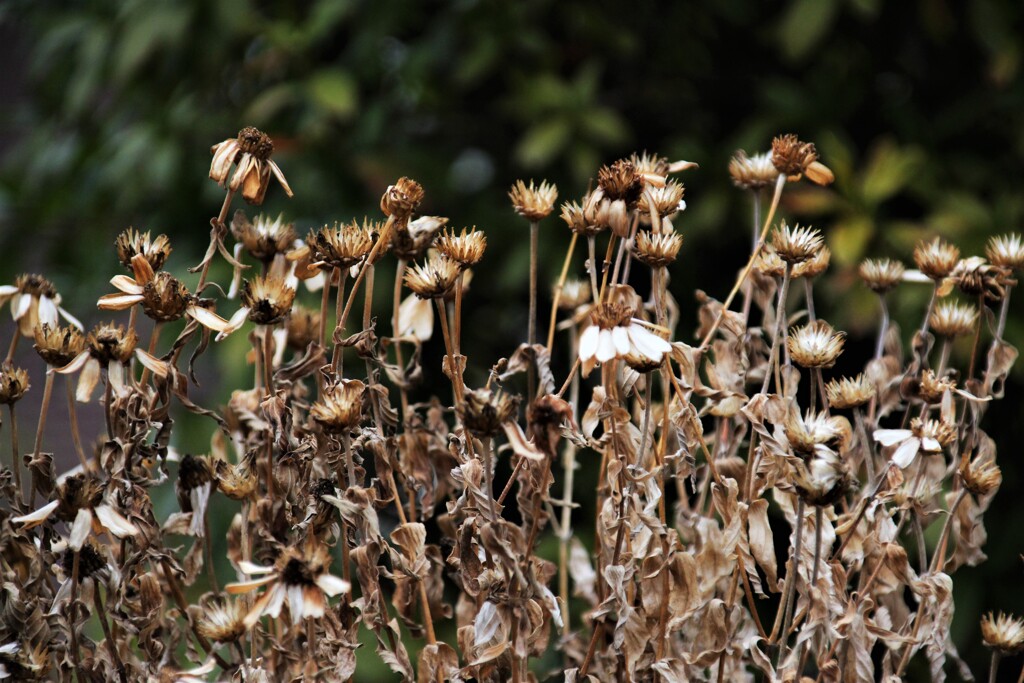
(754, 518)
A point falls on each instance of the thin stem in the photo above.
(219, 223)
(154, 338)
(883, 328)
(41, 428)
(780, 322)
(558, 289)
(592, 270)
(396, 333)
(993, 668)
(789, 589)
(939, 560)
(337, 356)
(531, 330)
(73, 415)
(977, 336)
(443, 315)
(14, 346)
(76, 655)
(1004, 308)
(382, 241)
(809, 296)
(16, 456)
(931, 306)
(817, 544)
(101, 614)
(485, 457)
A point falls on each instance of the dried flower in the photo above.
(79, 500)
(752, 173)
(90, 562)
(250, 154)
(58, 345)
(131, 242)
(299, 579)
(816, 345)
(533, 202)
(931, 388)
(812, 432)
(303, 327)
(13, 384)
(484, 412)
(411, 240)
(881, 275)
(222, 622)
(1006, 251)
(666, 200)
(340, 408)
(433, 278)
(953, 319)
(926, 436)
(342, 246)
(850, 392)
(34, 302)
(268, 299)
(814, 266)
(1004, 633)
(401, 199)
(582, 217)
(937, 258)
(795, 158)
(575, 293)
(466, 248)
(621, 181)
(980, 476)
(657, 250)
(615, 333)
(263, 238)
(977, 278)
(796, 244)
(821, 479)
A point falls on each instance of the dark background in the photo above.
(108, 110)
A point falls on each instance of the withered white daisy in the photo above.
(615, 333)
(249, 153)
(299, 579)
(924, 436)
(34, 302)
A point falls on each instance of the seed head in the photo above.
(936, 259)
(1006, 251)
(411, 240)
(109, 342)
(255, 142)
(58, 345)
(13, 384)
(269, 299)
(303, 327)
(1004, 633)
(797, 244)
(850, 392)
(814, 266)
(622, 181)
(401, 199)
(657, 250)
(237, 482)
(249, 153)
(222, 622)
(794, 158)
(90, 561)
(76, 492)
(975, 277)
(342, 246)
(980, 476)
(952, 319)
(35, 285)
(753, 173)
(164, 298)
(132, 242)
(939, 431)
(666, 200)
(484, 411)
(533, 202)
(433, 278)
(466, 248)
(881, 275)
(340, 408)
(193, 472)
(932, 388)
(263, 238)
(816, 345)
(650, 164)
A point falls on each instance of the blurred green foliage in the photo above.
(917, 106)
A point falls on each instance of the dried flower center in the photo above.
(297, 573)
(255, 142)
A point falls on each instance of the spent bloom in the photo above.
(953, 319)
(849, 392)
(434, 277)
(816, 345)
(615, 333)
(34, 302)
(795, 158)
(752, 172)
(132, 242)
(249, 153)
(1004, 632)
(264, 237)
(533, 202)
(881, 275)
(924, 436)
(796, 244)
(1006, 251)
(936, 259)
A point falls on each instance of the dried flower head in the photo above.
(937, 258)
(622, 181)
(980, 476)
(1006, 251)
(342, 246)
(222, 622)
(821, 479)
(580, 219)
(1004, 633)
(666, 200)
(808, 433)
(657, 250)
(575, 293)
(411, 240)
(132, 242)
(533, 202)
(466, 248)
(90, 562)
(769, 264)
(881, 275)
(34, 301)
(794, 158)
(268, 298)
(753, 173)
(814, 266)
(484, 412)
(433, 278)
(265, 237)
(615, 333)
(934, 434)
(237, 482)
(303, 327)
(796, 244)
(340, 408)
(299, 579)
(13, 384)
(58, 345)
(111, 343)
(164, 298)
(850, 392)
(953, 319)
(932, 388)
(401, 199)
(975, 277)
(193, 472)
(250, 154)
(816, 345)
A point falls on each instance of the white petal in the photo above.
(126, 284)
(88, 380)
(117, 302)
(904, 455)
(253, 568)
(621, 340)
(605, 346)
(207, 318)
(155, 365)
(275, 602)
(114, 522)
(246, 586)
(47, 311)
(930, 445)
(647, 343)
(889, 437)
(7, 290)
(37, 517)
(76, 364)
(331, 585)
(20, 305)
(70, 318)
(416, 318)
(296, 603)
(80, 529)
(588, 342)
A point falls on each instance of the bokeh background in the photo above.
(108, 110)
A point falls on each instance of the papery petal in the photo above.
(246, 586)
(47, 311)
(605, 346)
(112, 520)
(20, 305)
(620, 337)
(70, 318)
(296, 603)
(332, 585)
(647, 343)
(253, 568)
(118, 302)
(76, 364)
(588, 342)
(276, 170)
(889, 437)
(80, 529)
(905, 454)
(207, 318)
(416, 318)
(36, 517)
(87, 381)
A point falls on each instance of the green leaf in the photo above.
(889, 169)
(849, 239)
(542, 142)
(334, 90)
(805, 24)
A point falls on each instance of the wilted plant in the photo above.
(356, 516)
